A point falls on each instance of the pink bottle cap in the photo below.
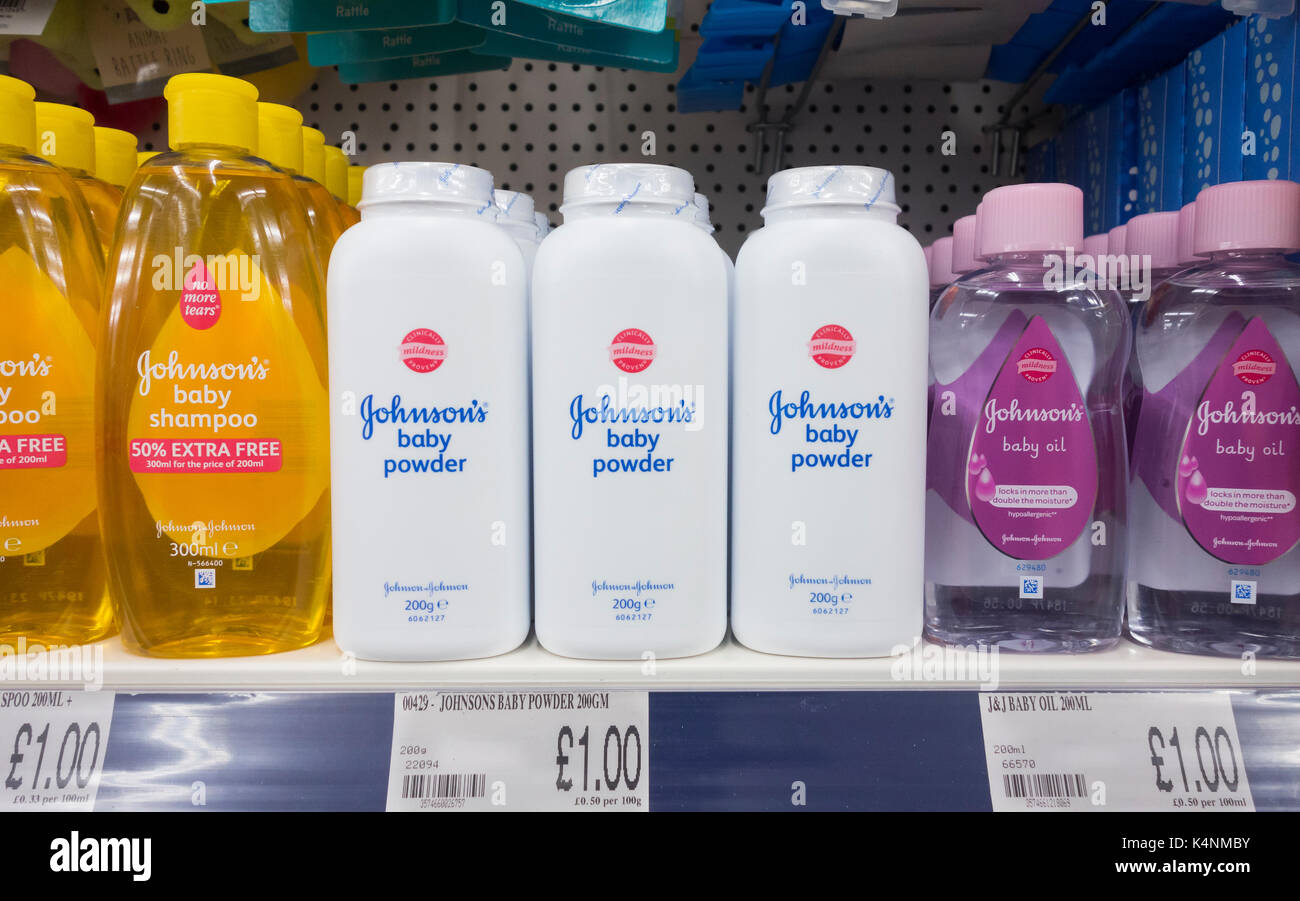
(1117, 241)
(941, 263)
(979, 231)
(927, 249)
(963, 246)
(1029, 218)
(1186, 233)
(1095, 245)
(1154, 235)
(1248, 215)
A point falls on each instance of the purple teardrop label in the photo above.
(1032, 466)
(1239, 471)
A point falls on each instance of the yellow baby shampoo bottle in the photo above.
(322, 208)
(65, 135)
(336, 180)
(52, 586)
(115, 156)
(212, 392)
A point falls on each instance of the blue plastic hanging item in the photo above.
(348, 15)
(1149, 47)
(429, 65)
(497, 44)
(621, 46)
(332, 48)
(696, 95)
(743, 40)
(641, 15)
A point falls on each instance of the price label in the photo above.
(1161, 751)
(24, 17)
(520, 750)
(135, 61)
(52, 746)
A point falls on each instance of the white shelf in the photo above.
(730, 667)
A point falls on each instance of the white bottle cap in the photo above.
(543, 225)
(514, 206)
(628, 183)
(864, 186)
(429, 183)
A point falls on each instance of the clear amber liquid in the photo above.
(52, 584)
(104, 201)
(202, 590)
(323, 215)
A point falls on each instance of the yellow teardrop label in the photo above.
(47, 406)
(228, 430)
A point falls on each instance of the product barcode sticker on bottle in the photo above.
(1113, 751)
(52, 744)
(520, 750)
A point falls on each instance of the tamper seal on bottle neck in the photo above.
(865, 187)
(421, 182)
(627, 186)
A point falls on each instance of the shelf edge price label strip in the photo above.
(520, 750)
(1123, 751)
(52, 747)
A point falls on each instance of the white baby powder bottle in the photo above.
(629, 421)
(828, 461)
(428, 421)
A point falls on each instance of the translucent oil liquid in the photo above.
(216, 462)
(52, 585)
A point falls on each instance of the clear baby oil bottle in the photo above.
(1026, 462)
(52, 582)
(1215, 565)
(212, 394)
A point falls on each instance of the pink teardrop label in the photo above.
(1238, 474)
(1032, 467)
(200, 299)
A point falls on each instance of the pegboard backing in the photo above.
(533, 122)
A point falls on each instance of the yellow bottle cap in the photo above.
(279, 136)
(65, 135)
(114, 155)
(313, 154)
(354, 184)
(17, 113)
(211, 109)
(336, 172)
(145, 156)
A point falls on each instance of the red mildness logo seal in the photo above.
(1254, 367)
(1036, 365)
(831, 346)
(632, 350)
(423, 350)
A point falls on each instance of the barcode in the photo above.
(1045, 785)
(444, 785)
